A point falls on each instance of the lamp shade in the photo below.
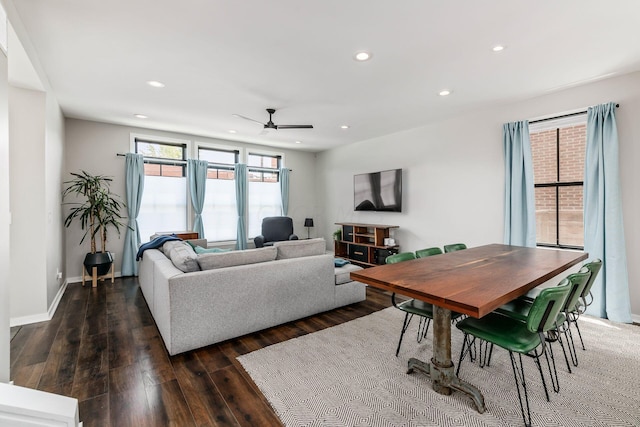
(308, 222)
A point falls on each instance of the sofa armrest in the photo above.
(293, 237)
(259, 241)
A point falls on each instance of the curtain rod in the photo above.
(563, 116)
(216, 165)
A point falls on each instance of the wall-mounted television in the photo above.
(378, 191)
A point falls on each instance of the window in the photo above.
(264, 189)
(219, 214)
(558, 167)
(164, 200)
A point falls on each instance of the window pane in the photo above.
(545, 158)
(571, 216)
(264, 201)
(546, 215)
(219, 214)
(163, 206)
(572, 152)
(164, 151)
(217, 156)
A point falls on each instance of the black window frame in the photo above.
(221, 166)
(262, 170)
(164, 161)
(557, 185)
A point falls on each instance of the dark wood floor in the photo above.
(103, 348)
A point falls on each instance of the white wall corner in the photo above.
(40, 317)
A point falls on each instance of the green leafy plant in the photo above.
(98, 212)
(337, 235)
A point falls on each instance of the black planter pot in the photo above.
(101, 260)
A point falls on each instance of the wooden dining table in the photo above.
(474, 282)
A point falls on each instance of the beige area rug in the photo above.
(348, 375)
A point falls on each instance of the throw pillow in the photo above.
(230, 259)
(200, 250)
(300, 248)
(339, 262)
(167, 246)
(184, 258)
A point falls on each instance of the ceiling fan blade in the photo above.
(295, 126)
(247, 118)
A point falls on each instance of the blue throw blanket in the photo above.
(155, 244)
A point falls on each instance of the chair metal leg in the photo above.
(580, 335)
(466, 342)
(564, 351)
(521, 384)
(423, 328)
(571, 346)
(405, 326)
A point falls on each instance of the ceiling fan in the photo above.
(271, 125)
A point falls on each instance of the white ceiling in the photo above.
(220, 57)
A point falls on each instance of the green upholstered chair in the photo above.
(402, 256)
(421, 253)
(454, 247)
(413, 306)
(520, 338)
(519, 309)
(586, 298)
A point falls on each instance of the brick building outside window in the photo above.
(558, 167)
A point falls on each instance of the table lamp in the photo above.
(308, 222)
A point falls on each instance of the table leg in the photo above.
(440, 370)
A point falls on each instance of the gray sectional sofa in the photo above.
(241, 292)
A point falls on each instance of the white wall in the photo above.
(4, 221)
(93, 146)
(27, 116)
(453, 180)
(54, 175)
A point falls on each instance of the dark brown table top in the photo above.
(473, 281)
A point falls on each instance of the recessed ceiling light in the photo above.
(140, 116)
(498, 48)
(344, 127)
(232, 131)
(155, 83)
(444, 92)
(362, 56)
(298, 142)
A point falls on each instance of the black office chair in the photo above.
(275, 229)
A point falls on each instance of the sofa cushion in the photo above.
(201, 250)
(183, 257)
(167, 246)
(230, 259)
(300, 248)
(342, 273)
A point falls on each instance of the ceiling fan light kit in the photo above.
(271, 125)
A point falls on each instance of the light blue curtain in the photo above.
(241, 204)
(519, 196)
(197, 176)
(603, 228)
(134, 186)
(284, 190)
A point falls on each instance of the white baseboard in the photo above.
(78, 279)
(635, 318)
(40, 317)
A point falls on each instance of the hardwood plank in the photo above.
(61, 363)
(246, 404)
(207, 405)
(168, 407)
(123, 376)
(95, 412)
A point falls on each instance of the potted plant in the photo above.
(337, 235)
(97, 212)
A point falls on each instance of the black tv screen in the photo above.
(378, 191)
